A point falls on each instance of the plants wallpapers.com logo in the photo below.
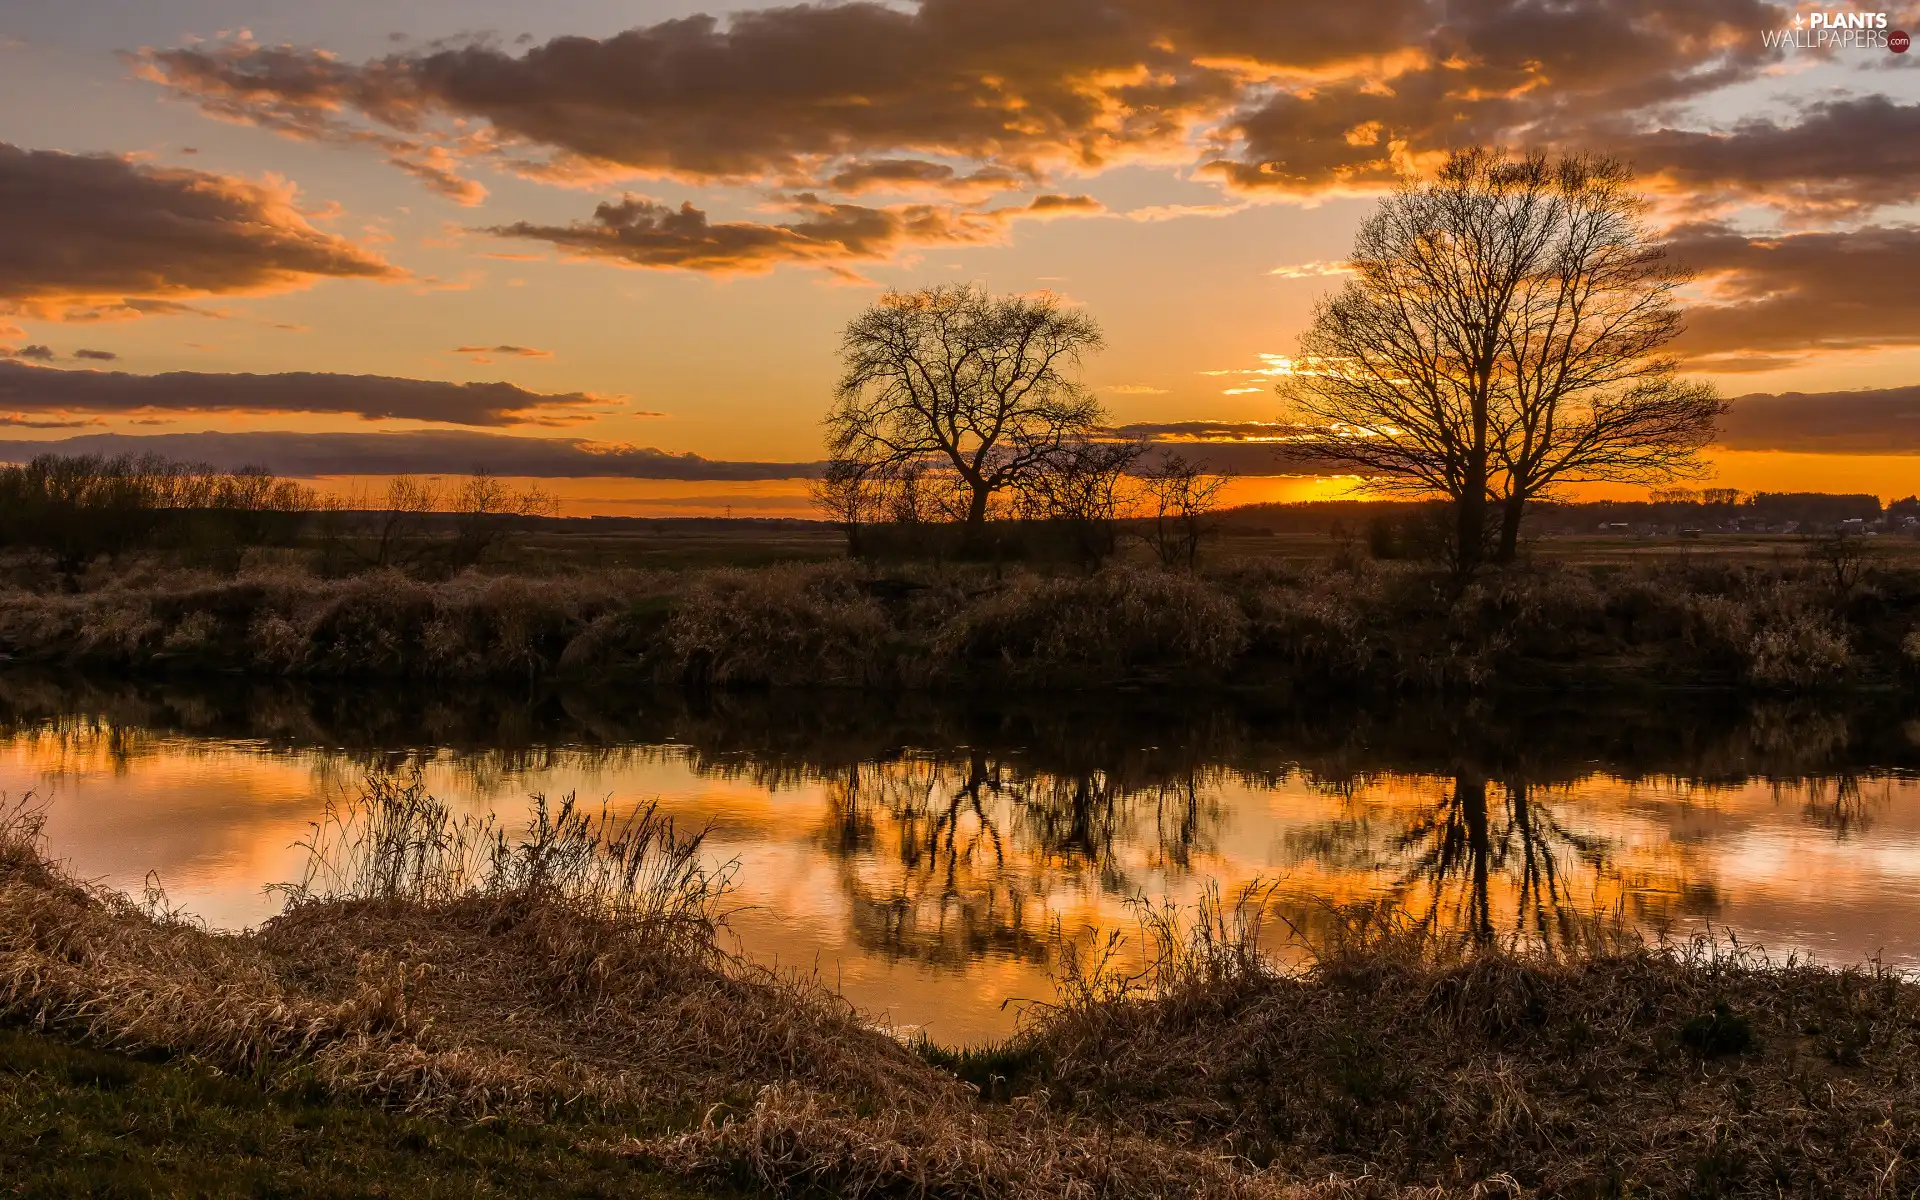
(1822, 29)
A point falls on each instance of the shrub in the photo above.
(1317, 624)
(1797, 650)
(778, 626)
(1121, 619)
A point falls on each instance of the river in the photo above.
(922, 854)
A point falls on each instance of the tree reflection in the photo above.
(958, 828)
(1838, 804)
(1463, 844)
(1492, 862)
(944, 860)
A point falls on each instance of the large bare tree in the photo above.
(981, 386)
(1501, 335)
(1586, 391)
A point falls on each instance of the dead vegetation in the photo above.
(1780, 627)
(1604, 1068)
(432, 965)
(571, 973)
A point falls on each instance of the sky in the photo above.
(610, 246)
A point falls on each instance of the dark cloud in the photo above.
(97, 355)
(23, 421)
(1238, 458)
(41, 353)
(1496, 71)
(1841, 157)
(912, 174)
(1055, 205)
(509, 351)
(1771, 301)
(1882, 421)
(422, 452)
(777, 93)
(1286, 98)
(45, 389)
(91, 236)
(648, 234)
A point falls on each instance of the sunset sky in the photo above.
(641, 225)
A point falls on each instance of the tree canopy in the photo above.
(1503, 334)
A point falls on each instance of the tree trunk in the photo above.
(973, 535)
(1511, 511)
(1470, 792)
(1470, 527)
(977, 510)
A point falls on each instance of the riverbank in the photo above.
(1346, 624)
(532, 1007)
(76, 1121)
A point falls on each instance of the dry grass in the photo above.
(432, 964)
(1780, 627)
(438, 966)
(1614, 1068)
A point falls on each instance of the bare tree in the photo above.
(401, 515)
(1584, 391)
(951, 378)
(1080, 489)
(1501, 336)
(1180, 498)
(850, 497)
(486, 508)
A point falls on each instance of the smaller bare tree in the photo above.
(1180, 499)
(402, 516)
(1080, 491)
(486, 509)
(848, 495)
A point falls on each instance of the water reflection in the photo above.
(946, 860)
(923, 851)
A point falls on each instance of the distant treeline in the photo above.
(1711, 507)
(81, 507)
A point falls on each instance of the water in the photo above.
(922, 855)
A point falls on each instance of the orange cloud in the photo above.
(1771, 301)
(510, 351)
(92, 237)
(967, 97)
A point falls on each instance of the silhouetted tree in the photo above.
(951, 378)
(1079, 489)
(486, 509)
(1502, 335)
(1180, 499)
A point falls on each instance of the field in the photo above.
(595, 543)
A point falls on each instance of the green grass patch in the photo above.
(80, 1122)
(1001, 1070)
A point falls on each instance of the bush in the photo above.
(1354, 624)
(779, 626)
(1119, 620)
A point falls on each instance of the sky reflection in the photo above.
(929, 882)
